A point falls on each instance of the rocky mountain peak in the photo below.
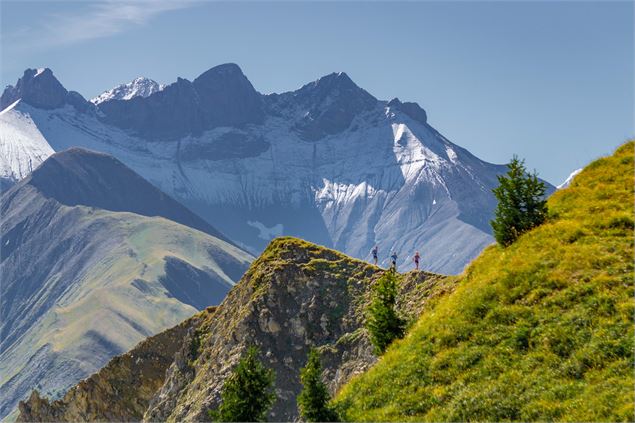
(413, 110)
(296, 295)
(138, 87)
(40, 88)
(227, 97)
(37, 87)
(331, 104)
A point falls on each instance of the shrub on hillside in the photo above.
(382, 321)
(247, 394)
(313, 401)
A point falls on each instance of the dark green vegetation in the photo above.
(314, 397)
(247, 394)
(521, 204)
(540, 330)
(382, 321)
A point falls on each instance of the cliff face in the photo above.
(121, 390)
(295, 296)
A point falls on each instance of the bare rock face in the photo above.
(221, 96)
(122, 389)
(40, 88)
(295, 296)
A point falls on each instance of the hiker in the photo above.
(374, 252)
(393, 257)
(416, 260)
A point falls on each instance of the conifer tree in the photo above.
(521, 203)
(313, 401)
(247, 394)
(382, 321)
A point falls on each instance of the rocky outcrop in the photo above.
(295, 296)
(40, 88)
(331, 104)
(121, 390)
(412, 110)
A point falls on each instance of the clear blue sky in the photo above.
(550, 81)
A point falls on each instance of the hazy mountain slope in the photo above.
(327, 162)
(122, 389)
(81, 284)
(89, 178)
(540, 331)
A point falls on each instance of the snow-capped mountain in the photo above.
(328, 162)
(22, 146)
(569, 179)
(139, 87)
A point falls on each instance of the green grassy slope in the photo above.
(542, 330)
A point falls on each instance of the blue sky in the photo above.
(550, 81)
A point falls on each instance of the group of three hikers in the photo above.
(393, 258)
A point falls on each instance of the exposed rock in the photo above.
(331, 104)
(296, 295)
(413, 110)
(40, 88)
(221, 96)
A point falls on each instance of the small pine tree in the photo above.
(382, 321)
(247, 394)
(521, 203)
(314, 398)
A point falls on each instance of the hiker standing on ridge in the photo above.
(374, 252)
(393, 257)
(416, 260)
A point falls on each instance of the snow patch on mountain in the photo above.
(139, 87)
(265, 232)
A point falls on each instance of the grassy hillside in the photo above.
(541, 330)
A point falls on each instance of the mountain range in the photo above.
(93, 260)
(327, 162)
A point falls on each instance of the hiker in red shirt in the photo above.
(416, 260)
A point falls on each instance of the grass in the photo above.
(541, 330)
